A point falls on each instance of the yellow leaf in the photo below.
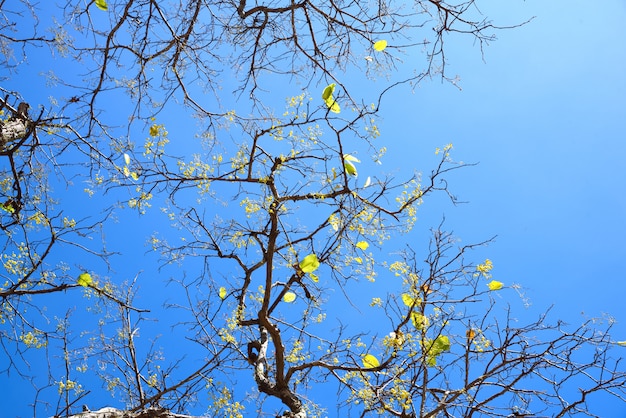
(622, 343)
(350, 168)
(222, 293)
(407, 299)
(362, 245)
(369, 361)
(327, 96)
(420, 321)
(333, 220)
(126, 158)
(84, 279)
(332, 103)
(154, 130)
(368, 181)
(310, 263)
(134, 175)
(328, 91)
(8, 206)
(289, 297)
(351, 158)
(102, 5)
(380, 45)
(397, 338)
(314, 277)
(495, 285)
(126, 171)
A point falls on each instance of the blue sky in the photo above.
(544, 116)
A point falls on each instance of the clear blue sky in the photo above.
(544, 115)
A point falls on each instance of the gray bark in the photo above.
(109, 412)
(12, 130)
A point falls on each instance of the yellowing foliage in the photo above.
(370, 361)
(380, 45)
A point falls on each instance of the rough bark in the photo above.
(16, 127)
(12, 130)
(109, 412)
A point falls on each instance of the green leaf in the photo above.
(328, 91)
(289, 297)
(435, 348)
(102, 5)
(380, 45)
(309, 264)
(441, 344)
(84, 279)
(222, 293)
(369, 361)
